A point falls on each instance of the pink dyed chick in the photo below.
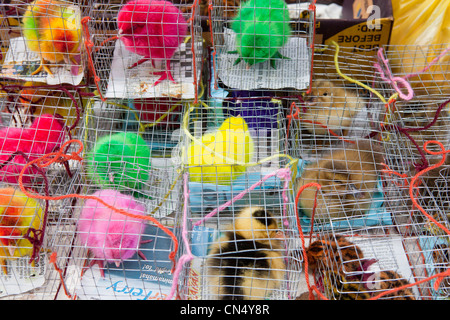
(45, 135)
(153, 29)
(111, 236)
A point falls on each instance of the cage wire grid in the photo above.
(214, 205)
(287, 69)
(159, 193)
(403, 242)
(121, 69)
(403, 224)
(25, 109)
(27, 58)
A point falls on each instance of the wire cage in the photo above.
(419, 115)
(361, 267)
(219, 195)
(42, 41)
(353, 112)
(235, 258)
(22, 263)
(226, 150)
(153, 190)
(334, 131)
(132, 65)
(37, 119)
(400, 247)
(240, 33)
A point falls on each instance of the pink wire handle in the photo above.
(279, 173)
(401, 82)
(185, 257)
(387, 76)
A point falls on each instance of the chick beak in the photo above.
(11, 250)
(120, 32)
(248, 66)
(67, 59)
(117, 264)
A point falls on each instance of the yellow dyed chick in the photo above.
(221, 156)
(18, 213)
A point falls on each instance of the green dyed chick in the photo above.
(121, 159)
(262, 28)
(220, 156)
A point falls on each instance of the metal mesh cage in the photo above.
(404, 245)
(140, 64)
(32, 126)
(242, 32)
(155, 190)
(221, 196)
(42, 41)
(361, 267)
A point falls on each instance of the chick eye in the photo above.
(325, 94)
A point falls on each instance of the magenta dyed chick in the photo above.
(153, 29)
(45, 135)
(110, 236)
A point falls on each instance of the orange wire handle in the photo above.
(88, 44)
(59, 156)
(412, 185)
(52, 260)
(302, 237)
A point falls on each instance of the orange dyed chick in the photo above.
(18, 213)
(51, 31)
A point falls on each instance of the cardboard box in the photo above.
(365, 25)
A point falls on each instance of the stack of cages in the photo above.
(130, 130)
(338, 133)
(241, 226)
(42, 104)
(420, 116)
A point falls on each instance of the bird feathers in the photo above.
(332, 105)
(151, 28)
(50, 31)
(262, 28)
(18, 213)
(45, 135)
(246, 262)
(221, 156)
(121, 159)
(109, 235)
(348, 179)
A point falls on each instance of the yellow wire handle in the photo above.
(228, 160)
(359, 83)
(388, 115)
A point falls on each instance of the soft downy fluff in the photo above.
(45, 135)
(152, 29)
(110, 236)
